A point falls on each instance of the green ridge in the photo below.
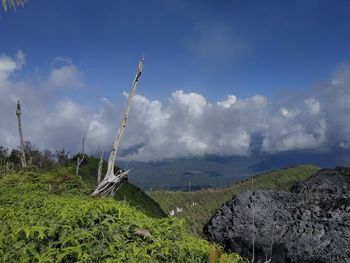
(139, 199)
(126, 191)
(207, 201)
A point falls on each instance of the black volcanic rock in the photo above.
(309, 224)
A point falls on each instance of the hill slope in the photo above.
(198, 206)
(48, 217)
(126, 192)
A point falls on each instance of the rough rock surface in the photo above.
(309, 224)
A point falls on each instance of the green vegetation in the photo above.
(139, 199)
(198, 206)
(126, 191)
(48, 217)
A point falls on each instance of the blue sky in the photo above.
(220, 77)
(211, 47)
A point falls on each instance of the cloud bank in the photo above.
(187, 124)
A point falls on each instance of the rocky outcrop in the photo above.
(309, 224)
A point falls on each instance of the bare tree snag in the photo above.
(23, 155)
(109, 182)
(80, 160)
(100, 165)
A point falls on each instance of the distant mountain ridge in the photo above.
(220, 171)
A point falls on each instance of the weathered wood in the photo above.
(23, 155)
(107, 185)
(80, 160)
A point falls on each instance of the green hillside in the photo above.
(126, 192)
(198, 206)
(139, 199)
(48, 217)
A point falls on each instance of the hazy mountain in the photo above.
(218, 171)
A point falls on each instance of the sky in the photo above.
(221, 77)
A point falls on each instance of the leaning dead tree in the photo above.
(23, 155)
(80, 160)
(111, 179)
(100, 165)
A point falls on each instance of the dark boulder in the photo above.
(309, 224)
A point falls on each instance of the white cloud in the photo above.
(230, 100)
(192, 103)
(9, 65)
(289, 113)
(47, 121)
(66, 76)
(186, 124)
(313, 105)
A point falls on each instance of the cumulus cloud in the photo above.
(48, 122)
(9, 65)
(66, 76)
(187, 124)
(230, 100)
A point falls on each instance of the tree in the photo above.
(111, 179)
(62, 157)
(48, 158)
(15, 157)
(100, 165)
(21, 140)
(81, 158)
(4, 154)
(29, 148)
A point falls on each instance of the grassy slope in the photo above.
(139, 199)
(210, 200)
(48, 217)
(126, 192)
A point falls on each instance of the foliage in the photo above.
(88, 170)
(42, 160)
(198, 206)
(62, 157)
(126, 191)
(139, 199)
(47, 217)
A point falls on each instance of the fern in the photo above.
(38, 225)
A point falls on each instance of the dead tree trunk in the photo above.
(109, 182)
(23, 155)
(80, 160)
(100, 165)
